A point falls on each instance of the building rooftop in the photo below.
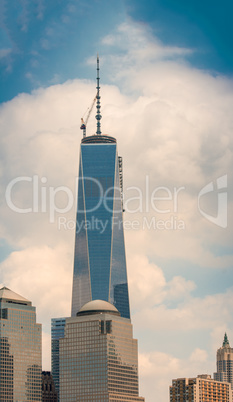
(9, 296)
(98, 139)
(96, 307)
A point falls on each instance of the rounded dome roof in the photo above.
(98, 306)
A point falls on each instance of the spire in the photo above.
(225, 343)
(98, 115)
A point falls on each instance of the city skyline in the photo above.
(166, 74)
(99, 274)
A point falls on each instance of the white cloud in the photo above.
(194, 313)
(157, 370)
(179, 288)
(140, 45)
(148, 286)
(42, 275)
(146, 282)
(40, 9)
(198, 355)
(4, 53)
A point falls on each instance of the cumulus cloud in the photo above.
(146, 282)
(174, 129)
(191, 314)
(164, 367)
(148, 286)
(41, 274)
(198, 355)
(139, 44)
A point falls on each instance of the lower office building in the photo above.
(20, 349)
(98, 357)
(200, 389)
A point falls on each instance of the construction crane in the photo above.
(84, 123)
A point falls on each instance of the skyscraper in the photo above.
(98, 357)
(20, 349)
(225, 362)
(99, 260)
(57, 332)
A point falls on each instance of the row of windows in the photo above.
(82, 342)
(93, 323)
(125, 398)
(85, 344)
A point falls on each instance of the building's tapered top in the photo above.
(225, 343)
(9, 296)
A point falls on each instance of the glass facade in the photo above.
(57, 332)
(20, 349)
(99, 260)
(98, 359)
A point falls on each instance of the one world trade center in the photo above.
(99, 259)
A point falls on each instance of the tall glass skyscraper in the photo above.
(99, 260)
(94, 358)
(20, 349)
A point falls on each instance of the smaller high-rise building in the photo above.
(200, 389)
(57, 332)
(20, 349)
(224, 360)
(98, 357)
(49, 393)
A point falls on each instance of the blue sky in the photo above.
(205, 26)
(48, 42)
(167, 96)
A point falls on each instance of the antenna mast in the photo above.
(98, 115)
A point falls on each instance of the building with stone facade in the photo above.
(49, 393)
(200, 389)
(224, 362)
(20, 349)
(98, 356)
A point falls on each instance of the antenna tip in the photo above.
(98, 115)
